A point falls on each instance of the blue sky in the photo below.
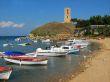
(19, 17)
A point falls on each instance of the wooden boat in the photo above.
(26, 60)
(5, 72)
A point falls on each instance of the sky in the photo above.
(20, 17)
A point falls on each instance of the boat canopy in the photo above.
(14, 53)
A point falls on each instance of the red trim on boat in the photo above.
(27, 58)
(4, 69)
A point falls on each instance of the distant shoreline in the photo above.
(12, 36)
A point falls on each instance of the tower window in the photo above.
(67, 11)
(67, 16)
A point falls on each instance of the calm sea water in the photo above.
(57, 68)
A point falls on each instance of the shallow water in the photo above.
(58, 67)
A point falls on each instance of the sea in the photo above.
(58, 69)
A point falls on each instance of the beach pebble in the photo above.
(104, 59)
(72, 76)
(85, 57)
(60, 80)
(90, 51)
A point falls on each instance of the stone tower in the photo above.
(67, 15)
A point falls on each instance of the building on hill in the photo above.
(96, 26)
(67, 15)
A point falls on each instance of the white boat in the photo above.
(21, 38)
(33, 54)
(35, 41)
(57, 51)
(24, 44)
(18, 39)
(46, 41)
(5, 73)
(73, 51)
(51, 54)
(81, 43)
(26, 60)
(9, 44)
(4, 45)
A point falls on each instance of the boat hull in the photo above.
(51, 54)
(73, 51)
(5, 75)
(26, 62)
(82, 45)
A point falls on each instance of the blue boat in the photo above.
(8, 53)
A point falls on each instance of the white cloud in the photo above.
(4, 24)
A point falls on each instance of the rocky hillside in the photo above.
(53, 30)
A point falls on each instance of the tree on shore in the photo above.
(101, 25)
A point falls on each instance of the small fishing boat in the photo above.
(8, 44)
(50, 54)
(15, 53)
(73, 51)
(4, 45)
(80, 42)
(21, 38)
(57, 51)
(24, 44)
(35, 41)
(12, 53)
(5, 72)
(26, 60)
(18, 39)
(46, 41)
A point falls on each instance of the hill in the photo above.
(53, 30)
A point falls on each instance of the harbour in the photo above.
(58, 68)
(54, 41)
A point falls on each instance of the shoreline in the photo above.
(93, 69)
(83, 64)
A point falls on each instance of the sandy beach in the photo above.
(99, 67)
